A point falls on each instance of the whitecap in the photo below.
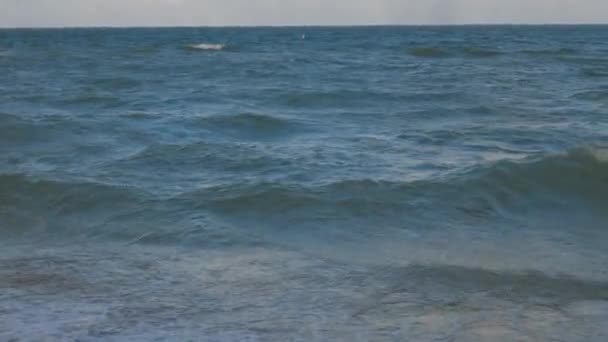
(208, 47)
(600, 153)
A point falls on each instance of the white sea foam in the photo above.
(600, 153)
(208, 47)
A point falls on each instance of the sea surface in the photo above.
(304, 184)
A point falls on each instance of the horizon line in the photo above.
(294, 26)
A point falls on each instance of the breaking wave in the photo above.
(207, 47)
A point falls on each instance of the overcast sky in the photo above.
(295, 12)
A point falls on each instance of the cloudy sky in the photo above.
(295, 12)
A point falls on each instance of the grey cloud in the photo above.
(295, 12)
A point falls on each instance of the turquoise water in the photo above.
(304, 184)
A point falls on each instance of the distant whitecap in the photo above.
(208, 47)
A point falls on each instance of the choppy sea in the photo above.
(304, 184)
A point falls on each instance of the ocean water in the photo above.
(304, 184)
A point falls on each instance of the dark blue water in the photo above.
(304, 184)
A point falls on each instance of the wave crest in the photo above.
(507, 186)
(248, 125)
(557, 52)
(25, 203)
(207, 47)
(453, 51)
(573, 181)
(428, 52)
